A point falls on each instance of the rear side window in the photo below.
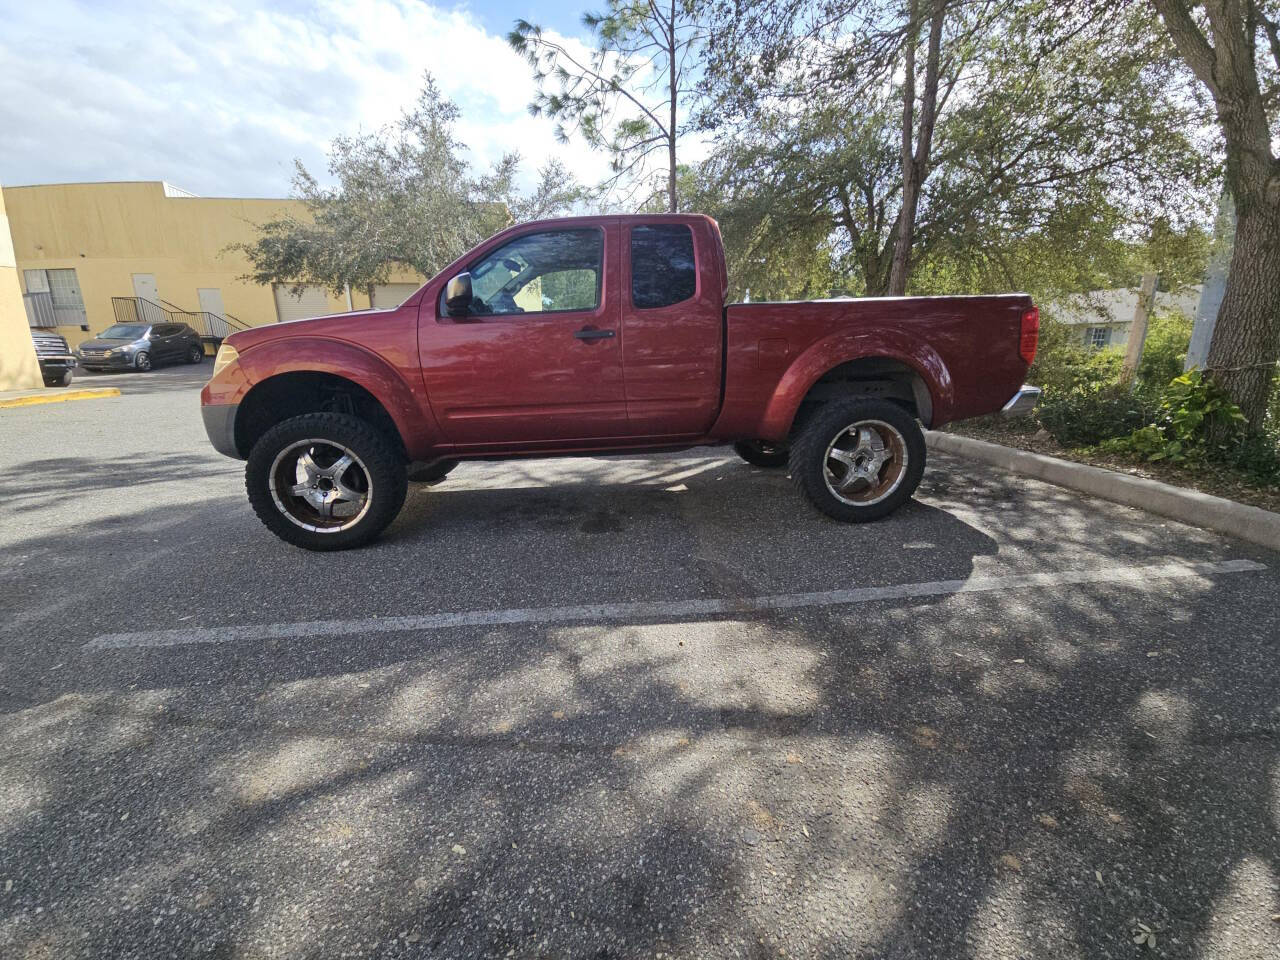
(663, 271)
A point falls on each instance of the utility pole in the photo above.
(1215, 285)
(1138, 330)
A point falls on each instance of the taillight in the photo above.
(1030, 335)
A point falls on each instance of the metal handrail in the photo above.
(212, 327)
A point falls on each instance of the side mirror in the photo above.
(457, 295)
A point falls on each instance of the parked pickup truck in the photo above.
(603, 334)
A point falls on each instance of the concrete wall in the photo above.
(107, 232)
(18, 366)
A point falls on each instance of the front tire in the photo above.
(325, 481)
(858, 460)
(142, 362)
(195, 354)
(762, 453)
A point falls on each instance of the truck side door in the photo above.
(672, 336)
(538, 357)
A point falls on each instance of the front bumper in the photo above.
(220, 425)
(1022, 402)
(121, 361)
(57, 363)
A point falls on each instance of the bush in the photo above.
(1259, 456)
(1086, 417)
(1164, 353)
(1063, 364)
(1195, 420)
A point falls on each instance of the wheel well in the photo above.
(293, 394)
(879, 377)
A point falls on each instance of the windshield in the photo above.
(124, 331)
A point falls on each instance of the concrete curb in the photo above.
(1186, 506)
(59, 396)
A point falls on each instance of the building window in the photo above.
(63, 289)
(1097, 337)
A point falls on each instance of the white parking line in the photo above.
(662, 609)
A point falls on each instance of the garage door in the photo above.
(310, 301)
(388, 296)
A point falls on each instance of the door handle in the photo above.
(591, 333)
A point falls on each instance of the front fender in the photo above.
(848, 345)
(397, 388)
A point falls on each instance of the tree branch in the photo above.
(1189, 40)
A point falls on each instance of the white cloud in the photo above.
(219, 97)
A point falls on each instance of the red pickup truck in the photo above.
(603, 334)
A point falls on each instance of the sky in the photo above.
(219, 96)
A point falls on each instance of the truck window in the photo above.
(663, 271)
(557, 271)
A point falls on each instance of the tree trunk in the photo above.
(1243, 352)
(672, 205)
(905, 227)
(1246, 339)
(916, 146)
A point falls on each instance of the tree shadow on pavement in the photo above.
(985, 775)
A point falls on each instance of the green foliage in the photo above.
(1084, 417)
(1195, 421)
(1064, 366)
(1168, 336)
(1064, 158)
(402, 194)
(628, 95)
(1258, 455)
(765, 263)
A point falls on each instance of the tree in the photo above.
(402, 194)
(1233, 48)
(627, 95)
(1028, 139)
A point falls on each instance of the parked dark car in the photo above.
(141, 346)
(56, 359)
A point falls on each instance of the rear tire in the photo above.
(195, 354)
(296, 467)
(858, 460)
(762, 453)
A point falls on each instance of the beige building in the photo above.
(89, 253)
(18, 367)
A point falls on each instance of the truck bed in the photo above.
(966, 349)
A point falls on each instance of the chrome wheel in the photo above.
(320, 485)
(865, 462)
(142, 361)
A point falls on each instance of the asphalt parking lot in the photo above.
(618, 707)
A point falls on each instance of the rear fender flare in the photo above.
(845, 346)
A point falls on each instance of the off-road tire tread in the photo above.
(385, 466)
(810, 446)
